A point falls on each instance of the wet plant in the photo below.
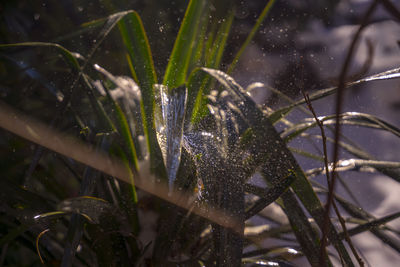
(185, 151)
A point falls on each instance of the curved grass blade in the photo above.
(69, 56)
(350, 118)
(281, 162)
(37, 244)
(386, 75)
(137, 45)
(356, 165)
(56, 214)
(88, 26)
(105, 124)
(291, 251)
(92, 208)
(142, 67)
(125, 85)
(306, 154)
(352, 149)
(178, 64)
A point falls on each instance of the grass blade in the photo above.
(68, 56)
(142, 67)
(386, 75)
(260, 19)
(125, 85)
(356, 164)
(305, 233)
(349, 118)
(213, 54)
(175, 115)
(267, 196)
(372, 224)
(198, 83)
(178, 64)
(359, 213)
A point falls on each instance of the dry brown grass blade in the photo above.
(37, 244)
(39, 133)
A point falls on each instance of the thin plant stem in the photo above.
(326, 162)
(339, 107)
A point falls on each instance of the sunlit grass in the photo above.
(186, 150)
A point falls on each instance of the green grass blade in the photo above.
(125, 131)
(142, 67)
(253, 31)
(198, 83)
(214, 54)
(137, 45)
(178, 64)
(305, 233)
(123, 128)
(200, 44)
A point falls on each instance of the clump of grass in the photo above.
(185, 150)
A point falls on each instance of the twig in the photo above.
(326, 162)
(339, 106)
(391, 8)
